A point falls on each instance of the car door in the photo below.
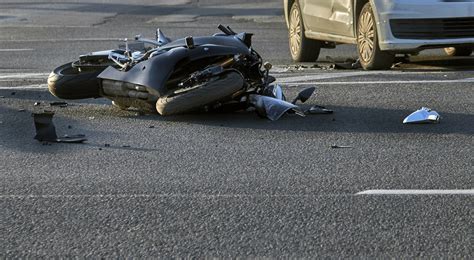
(328, 16)
(316, 15)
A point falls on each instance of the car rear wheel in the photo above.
(370, 55)
(458, 51)
(302, 49)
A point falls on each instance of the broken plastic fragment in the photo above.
(273, 108)
(318, 110)
(46, 132)
(335, 146)
(423, 116)
(59, 104)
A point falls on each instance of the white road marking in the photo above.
(65, 40)
(27, 87)
(416, 192)
(305, 78)
(12, 50)
(8, 76)
(382, 82)
(171, 195)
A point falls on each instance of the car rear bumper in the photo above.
(410, 25)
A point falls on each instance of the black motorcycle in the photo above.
(219, 72)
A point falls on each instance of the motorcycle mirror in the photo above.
(304, 95)
(161, 38)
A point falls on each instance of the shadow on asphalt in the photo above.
(344, 120)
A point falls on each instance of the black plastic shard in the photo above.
(46, 131)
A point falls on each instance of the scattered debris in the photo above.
(334, 146)
(46, 131)
(423, 115)
(347, 65)
(58, 104)
(397, 65)
(37, 104)
(319, 110)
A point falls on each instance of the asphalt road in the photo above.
(229, 185)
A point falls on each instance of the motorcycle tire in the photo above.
(217, 88)
(67, 82)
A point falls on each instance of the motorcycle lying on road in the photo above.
(219, 72)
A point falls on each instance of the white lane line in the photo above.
(171, 195)
(303, 78)
(65, 40)
(27, 87)
(12, 50)
(382, 82)
(5, 76)
(416, 192)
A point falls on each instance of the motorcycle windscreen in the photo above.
(272, 108)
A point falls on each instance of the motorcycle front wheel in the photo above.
(216, 89)
(68, 82)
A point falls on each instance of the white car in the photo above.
(380, 28)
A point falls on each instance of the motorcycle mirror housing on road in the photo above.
(423, 116)
(304, 95)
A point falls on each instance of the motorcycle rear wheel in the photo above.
(216, 89)
(67, 82)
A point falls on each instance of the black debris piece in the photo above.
(347, 65)
(46, 131)
(318, 110)
(152, 126)
(106, 145)
(334, 146)
(59, 104)
(13, 93)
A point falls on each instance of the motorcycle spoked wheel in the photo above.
(67, 82)
(217, 88)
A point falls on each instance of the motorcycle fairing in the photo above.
(155, 72)
(234, 41)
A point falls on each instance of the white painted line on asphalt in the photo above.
(383, 82)
(416, 192)
(171, 195)
(12, 50)
(5, 76)
(65, 40)
(305, 78)
(27, 87)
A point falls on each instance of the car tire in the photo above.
(370, 55)
(458, 51)
(67, 82)
(216, 89)
(302, 49)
